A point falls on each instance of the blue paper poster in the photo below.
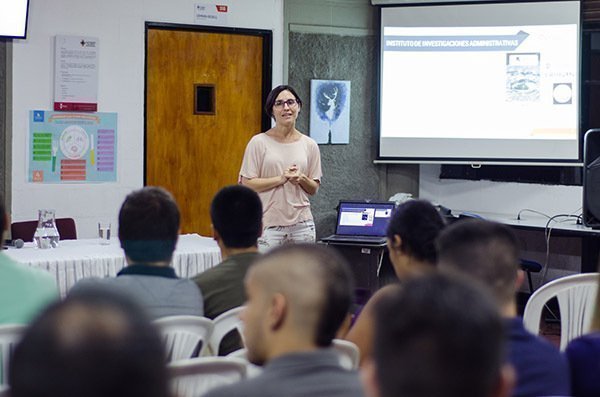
(72, 147)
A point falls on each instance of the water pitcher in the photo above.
(46, 235)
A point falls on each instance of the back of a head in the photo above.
(93, 344)
(149, 225)
(236, 214)
(317, 282)
(438, 336)
(486, 251)
(418, 223)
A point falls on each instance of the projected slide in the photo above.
(520, 81)
(479, 84)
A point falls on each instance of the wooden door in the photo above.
(195, 155)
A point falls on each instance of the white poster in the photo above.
(76, 73)
(210, 14)
(330, 111)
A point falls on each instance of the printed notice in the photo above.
(76, 73)
(210, 14)
(67, 147)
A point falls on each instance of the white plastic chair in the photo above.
(576, 296)
(196, 376)
(252, 370)
(10, 335)
(348, 353)
(184, 336)
(223, 324)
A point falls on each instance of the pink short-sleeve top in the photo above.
(265, 157)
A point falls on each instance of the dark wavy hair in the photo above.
(273, 96)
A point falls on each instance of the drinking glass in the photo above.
(104, 232)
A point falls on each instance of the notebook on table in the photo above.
(362, 222)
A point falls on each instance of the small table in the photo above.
(366, 262)
(74, 260)
(590, 238)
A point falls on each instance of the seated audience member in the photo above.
(489, 253)
(96, 343)
(298, 295)
(148, 231)
(411, 236)
(236, 214)
(448, 341)
(583, 354)
(24, 291)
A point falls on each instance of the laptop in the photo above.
(360, 222)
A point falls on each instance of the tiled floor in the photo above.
(550, 326)
(551, 331)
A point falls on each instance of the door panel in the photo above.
(192, 155)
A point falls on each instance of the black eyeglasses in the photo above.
(289, 102)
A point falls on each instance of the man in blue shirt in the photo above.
(428, 342)
(489, 253)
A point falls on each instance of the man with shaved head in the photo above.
(298, 296)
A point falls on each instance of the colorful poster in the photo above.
(72, 147)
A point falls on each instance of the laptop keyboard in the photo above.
(375, 239)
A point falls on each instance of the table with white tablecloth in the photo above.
(77, 259)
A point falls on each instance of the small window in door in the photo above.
(204, 99)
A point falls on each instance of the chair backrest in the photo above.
(252, 370)
(576, 297)
(348, 353)
(10, 335)
(196, 376)
(66, 228)
(26, 229)
(184, 336)
(223, 324)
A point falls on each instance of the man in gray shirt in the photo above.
(148, 232)
(298, 296)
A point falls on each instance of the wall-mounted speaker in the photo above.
(591, 178)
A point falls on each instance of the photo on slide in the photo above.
(523, 77)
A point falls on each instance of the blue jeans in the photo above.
(274, 236)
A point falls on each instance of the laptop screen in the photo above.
(363, 219)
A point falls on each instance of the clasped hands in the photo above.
(293, 175)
